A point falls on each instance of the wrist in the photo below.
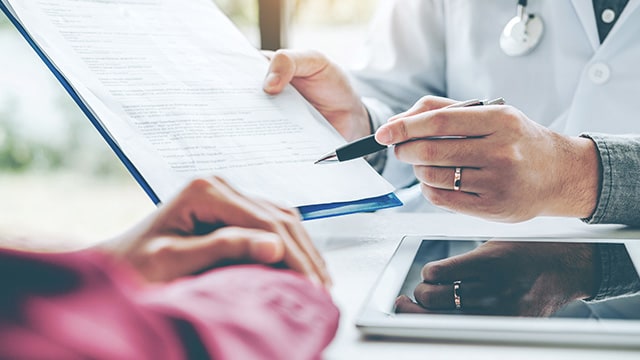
(580, 178)
(361, 121)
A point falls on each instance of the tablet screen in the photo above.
(509, 278)
(508, 290)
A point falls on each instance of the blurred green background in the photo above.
(59, 179)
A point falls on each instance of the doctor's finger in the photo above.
(404, 305)
(475, 121)
(484, 205)
(426, 103)
(470, 153)
(289, 64)
(472, 294)
(471, 180)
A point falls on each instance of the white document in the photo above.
(179, 89)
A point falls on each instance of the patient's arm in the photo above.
(84, 305)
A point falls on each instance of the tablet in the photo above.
(613, 322)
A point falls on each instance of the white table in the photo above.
(358, 246)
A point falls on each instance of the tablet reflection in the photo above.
(514, 278)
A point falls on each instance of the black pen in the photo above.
(368, 144)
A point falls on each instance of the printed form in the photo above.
(179, 89)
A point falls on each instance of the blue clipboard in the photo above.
(307, 212)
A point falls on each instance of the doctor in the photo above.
(576, 74)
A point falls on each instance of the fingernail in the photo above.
(384, 136)
(271, 80)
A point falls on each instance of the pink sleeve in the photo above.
(251, 312)
(79, 305)
(76, 306)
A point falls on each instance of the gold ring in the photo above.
(456, 294)
(457, 175)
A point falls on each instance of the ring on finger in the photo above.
(457, 178)
(457, 300)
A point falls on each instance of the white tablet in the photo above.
(614, 322)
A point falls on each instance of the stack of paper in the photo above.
(176, 91)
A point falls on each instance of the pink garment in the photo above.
(79, 305)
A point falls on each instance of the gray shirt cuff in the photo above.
(617, 204)
(619, 201)
(618, 275)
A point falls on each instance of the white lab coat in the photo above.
(570, 82)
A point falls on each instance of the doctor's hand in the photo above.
(511, 168)
(211, 224)
(507, 278)
(324, 85)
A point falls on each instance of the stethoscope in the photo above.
(522, 33)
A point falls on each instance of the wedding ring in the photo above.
(456, 294)
(457, 175)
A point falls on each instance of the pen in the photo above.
(368, 144)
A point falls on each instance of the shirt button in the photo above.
(599, 73)
(608, 16)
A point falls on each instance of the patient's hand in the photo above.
(210, 223)
(507, 278)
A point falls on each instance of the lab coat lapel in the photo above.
(584, 10)
(632, 6)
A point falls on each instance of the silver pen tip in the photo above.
(326, 157)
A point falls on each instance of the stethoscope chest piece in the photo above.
(522, 33)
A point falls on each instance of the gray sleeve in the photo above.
(618, 276)
(618, 204)
(619, 201)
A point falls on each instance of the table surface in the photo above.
(357, 247)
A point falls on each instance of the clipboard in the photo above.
(307, 212)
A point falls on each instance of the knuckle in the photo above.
(276, 222)
(293, 215)
(426, 100)
(282, 54)
(267, 222)
(229, 240)
(401, 127)
(429, 151)
(438, 121)
(427, 174)
(200, 184)
(510, 118)
(508, 157)
(317, 55)
(424, 297)
(430, 102)
(432, 271)
(159, 257)
(507, 111)
(283, 58)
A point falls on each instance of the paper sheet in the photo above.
(180, 90)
